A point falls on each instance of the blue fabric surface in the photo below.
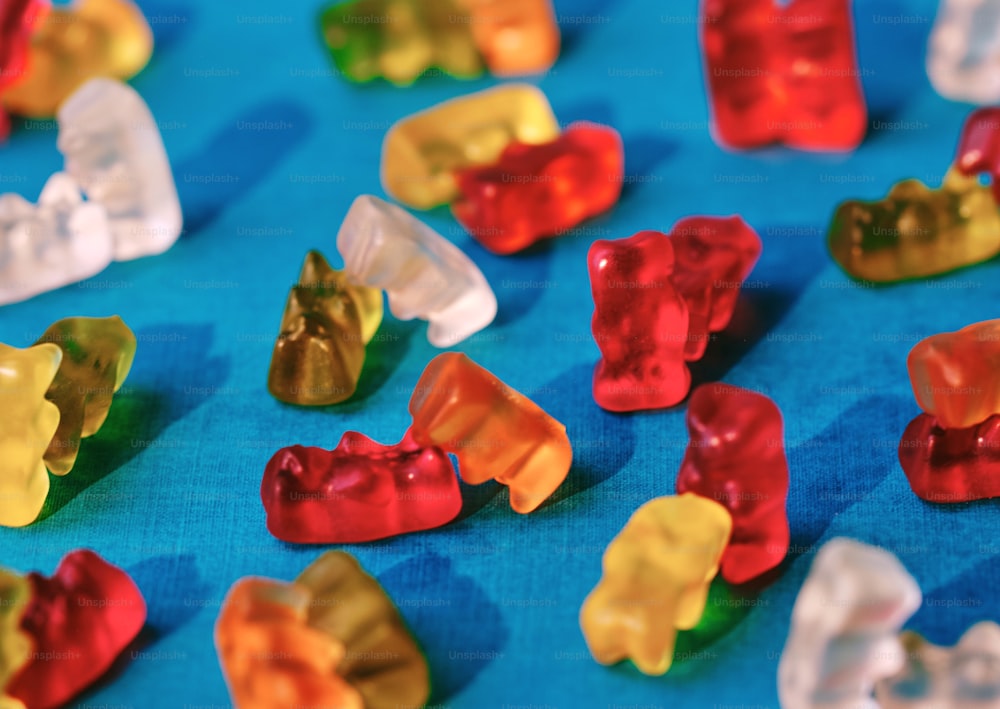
(269, 148)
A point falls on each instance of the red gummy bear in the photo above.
(951, 464)
(640, 324)
(17, 20)
(359, 491)
(783, 74)
(736, 457)
(979, 147)
(714, 256)
(537, 191)
(80, 620)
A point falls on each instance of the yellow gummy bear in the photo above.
(421, 151)
(656, 577)
(15, 644)
(73, 44)
(27, 426)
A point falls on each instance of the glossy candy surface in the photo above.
(783, 73)
(113, 149)
(536, 191)
(327, 323)
(640, 324)
(712, 258)
(956, 375)
(333, 638)
(97, 355)
(736, 457)
(400, 39)
(514, 36)
(421, 152)
(948, 465)
(655, 580)
(424, 275)
(59, 241)
(358, 492)
(966, 676)
(495, 432)
(978, 149)
(79, 621)
(916, 231)
(964, 51)
(72, 44)
(844, 631)
(26, 428)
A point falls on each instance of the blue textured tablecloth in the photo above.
(269, 148)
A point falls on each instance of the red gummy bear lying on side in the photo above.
(79, 621)
(359, 491)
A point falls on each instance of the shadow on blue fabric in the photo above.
(460, 635)
(236, 159)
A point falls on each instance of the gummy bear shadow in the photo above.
(518, 280)
(572, 28)
(603, 443)
(949, 610)
(169, 22)
(841, 467)
(382, 356)
(886, 60)
(778, 280)
(459, 627)
(237, 158)
(173, 593)
(143, 407)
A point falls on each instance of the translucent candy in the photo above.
(964, 51)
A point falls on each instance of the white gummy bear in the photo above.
(966, 676)
(59, 241)
(844, 635)
(963, 55)
(424, 274)
(113, 148)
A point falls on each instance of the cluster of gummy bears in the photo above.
(49, 51)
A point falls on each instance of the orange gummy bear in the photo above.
(955, 374)
(515, 36)
(494, 431)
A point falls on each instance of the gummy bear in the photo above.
(424, 275)
(494, 431)
(320, 350)
(26, 428)
(736, 457)
(843, 636)
(536, 191)
(515, 37)
(954, 374)
(359, 491)
(963, 51)
(97, 355)
(978, 149)
(640, 324)
(59, 241)
(713, 257)
(399, 39)
(655, 580)
(783, 72)
(15, 643)
(333, 638)
(966, 676)
(72, 44)
(951, 464)
(17, 21)
(79, 621)
(113, 148)
(421, 152)
(916, 231)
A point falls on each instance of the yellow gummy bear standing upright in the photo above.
(75, 43)
(656, 577)
(421, 152)
(27, 425)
